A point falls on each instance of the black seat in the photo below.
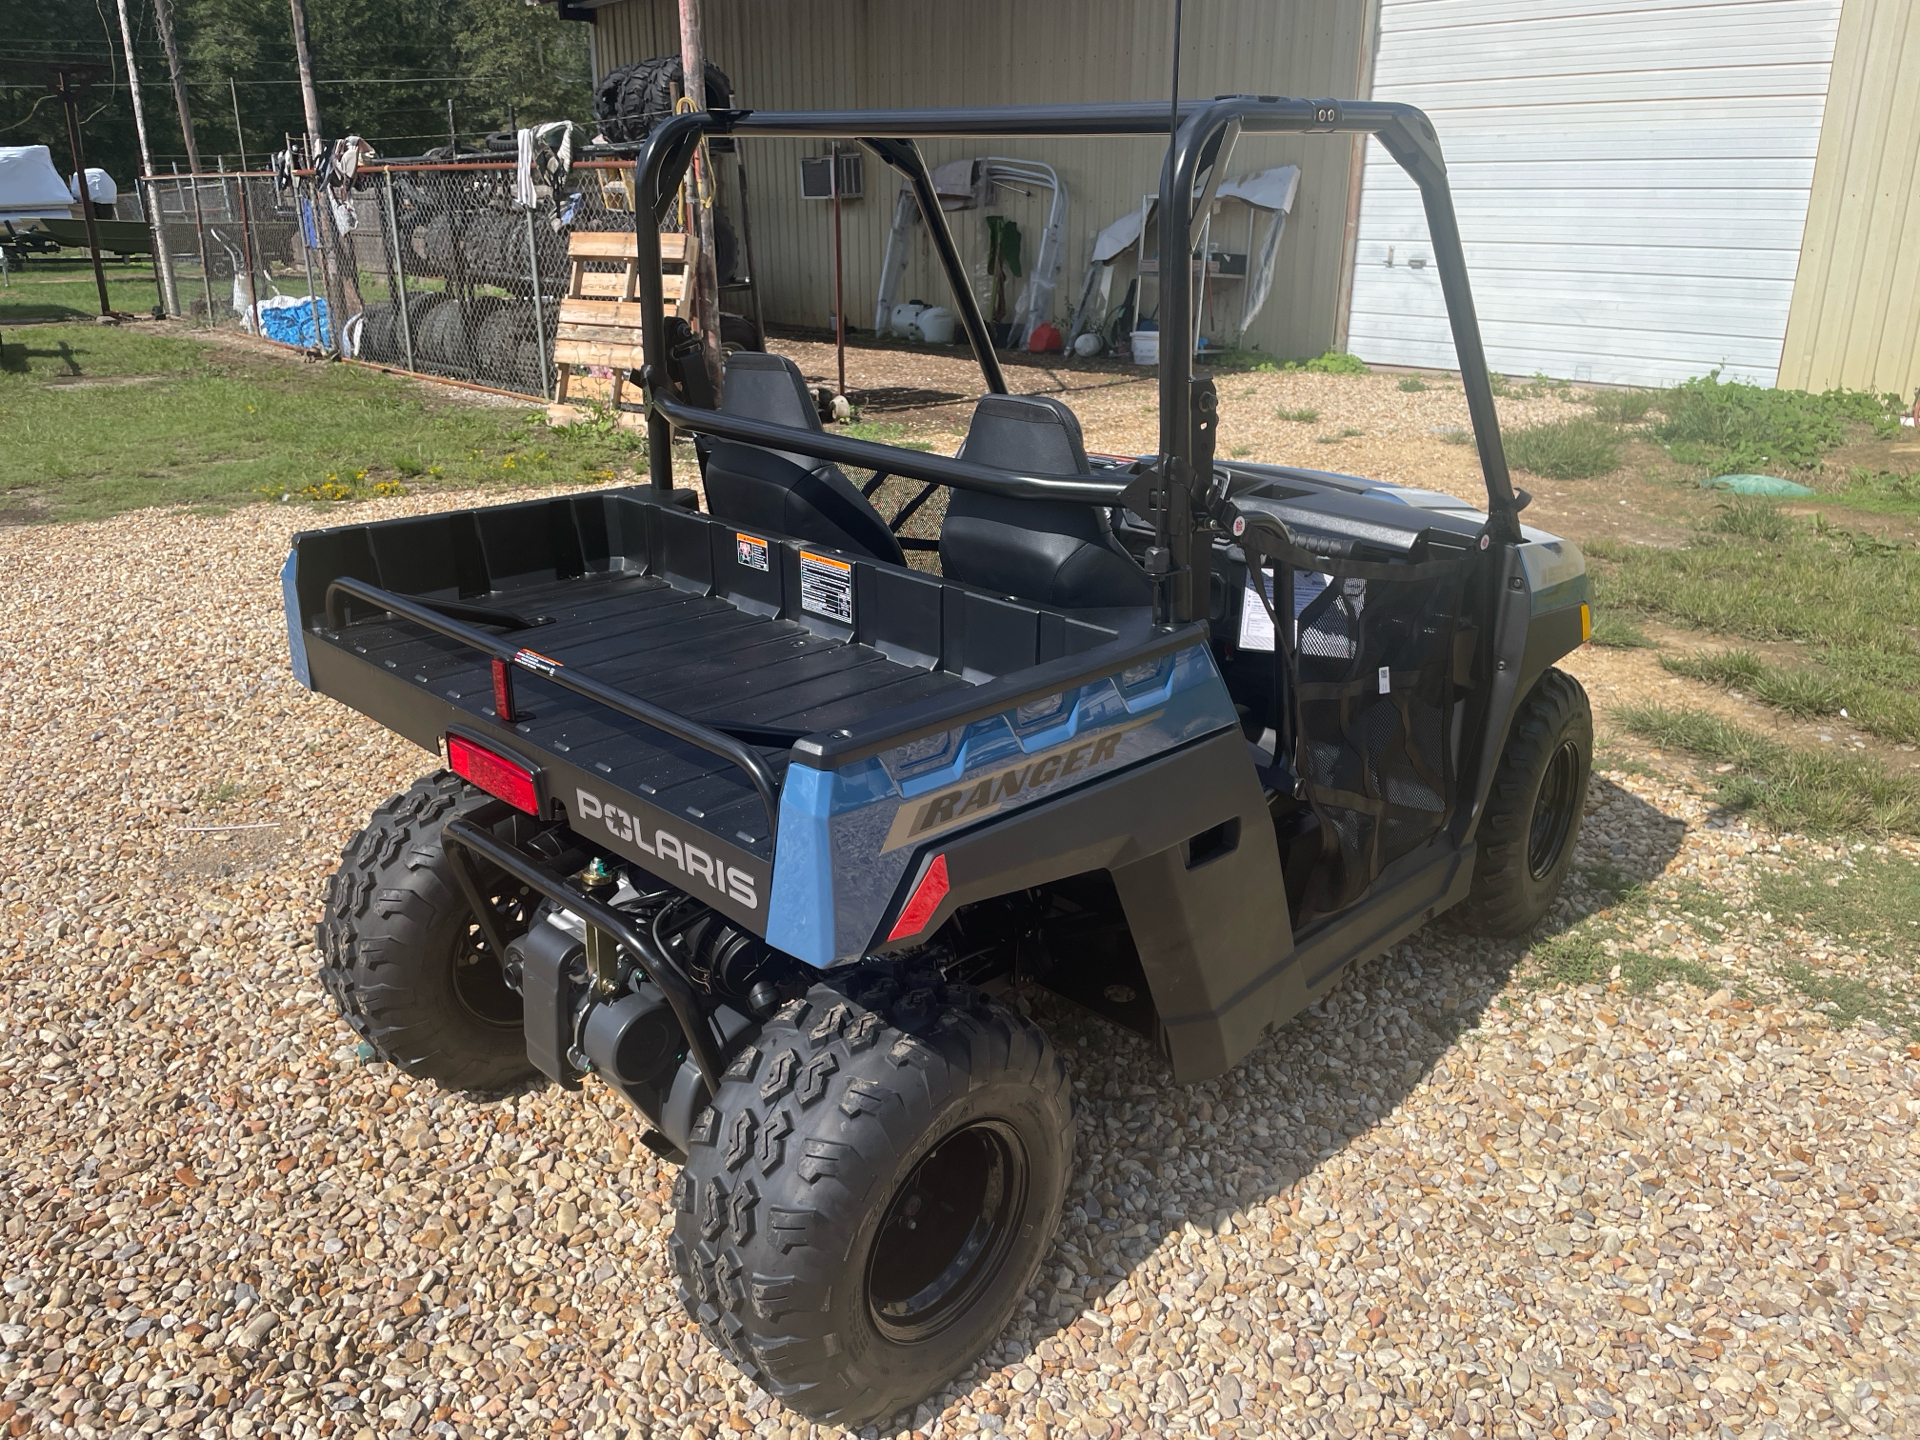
(781, 490)
(1051, 552)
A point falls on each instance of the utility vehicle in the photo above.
(752, 821)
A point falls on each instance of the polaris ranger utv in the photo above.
(751, 821)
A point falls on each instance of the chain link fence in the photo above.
(429, 268)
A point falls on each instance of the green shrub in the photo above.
(1565, 449)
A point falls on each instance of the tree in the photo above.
(486, 54)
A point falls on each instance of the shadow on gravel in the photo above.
(1154, 1156)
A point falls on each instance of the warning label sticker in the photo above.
(826, 587)
(750, 551)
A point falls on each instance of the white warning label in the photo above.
(826, 587)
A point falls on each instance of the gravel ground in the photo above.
(1442, 1201)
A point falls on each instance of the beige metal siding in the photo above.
(1855, 319)
(838, 54)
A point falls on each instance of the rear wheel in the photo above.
(403, 955)
(872, 1190)
(1534, 809)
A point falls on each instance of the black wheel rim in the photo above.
(1554, 811)
(479, 977)
(947, 1232)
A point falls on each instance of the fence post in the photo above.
(252, 322)
(200, 229)
(314, 299)
(539, 318)
(162, 257)
(399, 266)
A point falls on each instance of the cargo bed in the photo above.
(727, 645)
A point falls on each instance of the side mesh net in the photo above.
(1366, 655)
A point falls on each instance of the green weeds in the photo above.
(1621, 407)
(1297, 417)
(1348, 433)
(1334, 362)
(1413, 384)
(1734, 427)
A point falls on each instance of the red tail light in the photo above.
(927, 896)
(495, 774)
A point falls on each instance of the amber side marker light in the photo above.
(495, 774)
(1586, 622)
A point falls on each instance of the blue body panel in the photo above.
(296, 642)
(848, 836)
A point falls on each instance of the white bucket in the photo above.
(933, 326)
(1146, 347)
(900, 319)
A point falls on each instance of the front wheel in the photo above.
(872, 1191)
(1534, 809)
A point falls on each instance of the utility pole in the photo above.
(150, 196)
(163, 16)
(64, 87)
(239, 137)
(702, 274)
(308, 96)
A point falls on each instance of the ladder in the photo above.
(599, 316)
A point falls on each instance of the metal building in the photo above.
(1648, 189)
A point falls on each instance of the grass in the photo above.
(1347, 433)
(1297, 417)
(1788, 787)
(100, 420)
(1413, 384)
(1754, 572)
(1616, 632)
(1593, 951)
(1885, 492)
(64, 290)
(882, 432)
(1733, 428)
(1809, 692)
(1873, 902)
(1576, 449)
(1621, 407)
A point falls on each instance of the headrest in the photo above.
(1032, 434)
(767, 387)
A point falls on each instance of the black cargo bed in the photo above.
(656, 603)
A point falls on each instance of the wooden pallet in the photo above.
(600, 316)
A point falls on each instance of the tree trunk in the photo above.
(163, 17)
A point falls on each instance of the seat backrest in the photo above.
(783, 490)
(1052, 552)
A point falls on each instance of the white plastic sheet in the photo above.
(30, 188)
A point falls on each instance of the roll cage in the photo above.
(1177, 492)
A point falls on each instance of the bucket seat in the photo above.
(782, 490)
(1051, 552)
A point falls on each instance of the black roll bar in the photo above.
(1199, 141)
(912, 464)
(705, 737)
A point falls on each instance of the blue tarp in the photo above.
(293, 323)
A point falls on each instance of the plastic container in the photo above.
(1146, 347)
(933, 326)
(900, 319)
(1087, 346)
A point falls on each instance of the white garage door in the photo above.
(1631, 178)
